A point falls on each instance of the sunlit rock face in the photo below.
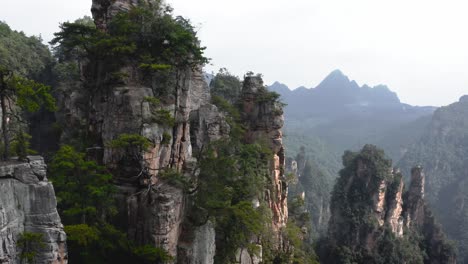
(28, 204)
(264, 120)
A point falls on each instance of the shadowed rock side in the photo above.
(372, 220)
(28, 205)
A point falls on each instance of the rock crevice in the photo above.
(28, 204)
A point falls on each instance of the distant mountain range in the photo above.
(346, 116)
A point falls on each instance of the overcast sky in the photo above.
(419, 48)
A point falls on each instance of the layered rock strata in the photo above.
(28, 205)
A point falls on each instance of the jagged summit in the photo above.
(336, 80)
(337, 91)
(279, 87)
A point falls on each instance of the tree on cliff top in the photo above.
(17, 96)
(147, 34)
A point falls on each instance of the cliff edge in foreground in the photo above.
(29, 221)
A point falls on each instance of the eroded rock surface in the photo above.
(369, 200)
(28, 204)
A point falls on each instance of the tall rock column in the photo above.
(415, 201)
(263, 116)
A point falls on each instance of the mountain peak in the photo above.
(336, 80)
(337, 75)
(280, 88)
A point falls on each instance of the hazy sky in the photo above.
(419, 48)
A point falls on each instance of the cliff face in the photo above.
(315, 185)
(28, 205)
(368, 202)
(154, 211)
(264, 120)
(442, 151)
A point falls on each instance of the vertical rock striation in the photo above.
(368, 202)
(264, 119)
(28, 204)
(156, 211)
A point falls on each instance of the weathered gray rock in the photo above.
(202, 249)
(28, 204)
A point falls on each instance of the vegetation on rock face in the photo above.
(30, 244)
(148, 37)
(18, 96)
(442, 152)
(86, 201)
(232, 175)
(25, 63)
(233, 178)
(355, 234)
(315, 184)
(226, 86)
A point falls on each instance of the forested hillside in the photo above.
(442, 152)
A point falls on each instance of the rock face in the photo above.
(264, 120)
(415, 201)
(368, 192)
(28, 204)
(104, 10)
(154, 211)
(442, 151)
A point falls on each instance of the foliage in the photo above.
(166, 138)
(30, 244)
(174, 178)
(86, 202)
(354, 234)
(233, 117)
(84, 189)
(164, 117)
(267, 96)
(226, 86)
(355, 201)
(149, 32)
(130, 141)
(149, 254)
(20, 146)
(160, 116)
(19, 95)
(315, 183)
(82, 234)
(25, 56)
(443, 156)
(155, 67)
(233, 174)
(105, 244)
(153, 101)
